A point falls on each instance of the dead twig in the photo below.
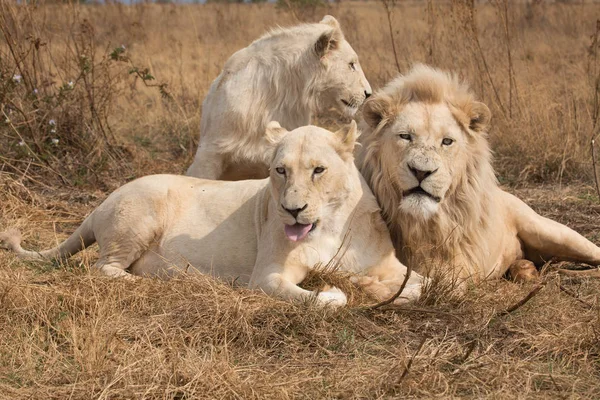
(587, 273)
(523, 301)
(410, 362)
(425, 311)
(558, 388)
(593, 144)
(574, 295)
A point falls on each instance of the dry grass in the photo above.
(67, 333)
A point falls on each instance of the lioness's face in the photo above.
(425, 151)
(310, 178)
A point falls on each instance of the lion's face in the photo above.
(426, 151)
(343, 85)
(310, 176)
(424, 138)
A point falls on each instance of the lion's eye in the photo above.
(447, 141)
(319, 170)
(405, 136)
(353, 66)
(280, 170)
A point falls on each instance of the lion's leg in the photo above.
(280, 285)
(116, 258)
(122, 245)
(208, 164)
(523, 271)
(550, 238)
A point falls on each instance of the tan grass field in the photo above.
(77, 120)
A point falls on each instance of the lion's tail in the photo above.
(79, 240)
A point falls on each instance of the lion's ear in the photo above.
(329, 40)
(348, 136)
(480, 116)
(377, 109)
(331, 21)
(274, 132)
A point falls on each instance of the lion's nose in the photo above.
(295, 211)
(421, 175)
(367, 94)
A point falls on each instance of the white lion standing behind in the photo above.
(286, 76)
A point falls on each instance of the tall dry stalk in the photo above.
(388, 6)
(595, 84)
(466, 12)
(503, 12)
(431, 25)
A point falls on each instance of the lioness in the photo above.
(286, 76)
(425, 154)
(267, 233)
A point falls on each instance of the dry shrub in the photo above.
(55, 107)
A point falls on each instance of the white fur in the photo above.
(420, 207)
(160, 225)
(476, 230)
(286, 76)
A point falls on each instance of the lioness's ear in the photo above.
(274, 132)
(348, 136)
(378, 108)
(480, 116)
(331, 21)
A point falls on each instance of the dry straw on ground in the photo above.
(93, 96)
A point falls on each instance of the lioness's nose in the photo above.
(295, 211)
(367, 94)
(420, 174)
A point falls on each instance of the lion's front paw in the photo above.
(333, 297)
(373, 287)
(411, 292)
(523, 271)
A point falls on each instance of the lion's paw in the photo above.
(333, 297)
(411, 292)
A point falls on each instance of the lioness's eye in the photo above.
(319, 170)
(353, 66)
(280, 170)
(405, 136)
(447, 141)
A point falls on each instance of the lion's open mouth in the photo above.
(298, 232)
(419, 191)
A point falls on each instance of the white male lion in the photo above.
(267, 233)
(425, 155)
(286, 76)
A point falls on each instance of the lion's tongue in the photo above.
(297, 231)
